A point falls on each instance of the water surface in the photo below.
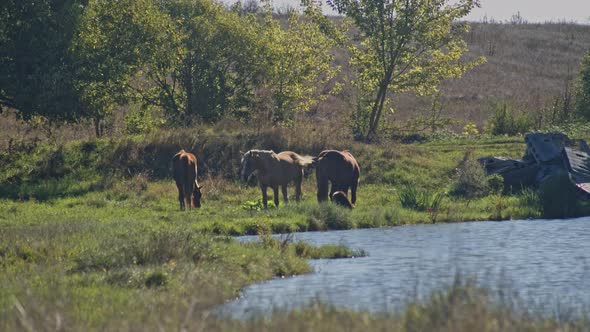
(545, 261)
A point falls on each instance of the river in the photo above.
(547, 262)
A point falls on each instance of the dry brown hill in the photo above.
(528, 66)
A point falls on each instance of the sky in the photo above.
(502, 10)
(534, 10)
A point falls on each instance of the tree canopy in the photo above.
(402, 45)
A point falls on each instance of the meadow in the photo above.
(91, 236)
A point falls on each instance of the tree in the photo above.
(114, 42)
(227, 62)
(583, 88)
(299, 65)
(36, 68)
(404, 45)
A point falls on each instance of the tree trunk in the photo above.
(188, 85)
(376, 112)
(97, 129)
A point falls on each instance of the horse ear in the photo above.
(242, 152)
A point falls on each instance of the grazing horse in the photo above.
(184, 165)
(341, 169)
(340, 198)
(274, 170)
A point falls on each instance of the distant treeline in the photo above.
(180, 62)
(195, 60)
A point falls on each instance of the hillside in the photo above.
(529, 66)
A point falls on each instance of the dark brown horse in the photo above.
(340, 198)
(274, 170)
(184, 165)
(338, 168)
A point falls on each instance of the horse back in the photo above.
(340, 166)
(184, 166)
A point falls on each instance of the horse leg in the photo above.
(276, 194)
(353, 191)
(264, 195)
(181, 199)
(333, 188)
(323, 186)
(188, 194)
(285, 196)
(298, 190)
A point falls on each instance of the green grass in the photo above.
(91, 247)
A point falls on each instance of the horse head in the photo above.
(254, 160)
(197, 195)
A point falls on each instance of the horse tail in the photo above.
(178, 155)
(303, 161)
(314, 161)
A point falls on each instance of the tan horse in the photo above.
(340, 169)
(274, 170)
(184, 165)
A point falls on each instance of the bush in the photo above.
(505, 121)
(411, 198)
(328, 216)
(495, 183)
(471, 178)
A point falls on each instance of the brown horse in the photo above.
(340, 198)
(184, 165)
(274, 170)
(341, 169)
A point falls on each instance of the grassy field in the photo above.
(91, 236)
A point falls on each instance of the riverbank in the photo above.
(131, 177)
(91, 236)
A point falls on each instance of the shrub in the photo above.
(156, 279)
(505, 121)
(471, 178)
(495, 183)
(329, 216)
(412, 198)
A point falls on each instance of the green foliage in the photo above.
(328, 216)
(495, 183)
(257, 205)
(299, 65)
(141, 121)
(583, 88)
(37, 70)
(412, 198)
(404, 46)
(303, 249)
(213, 66)
(470, 179)
(156, 279)
(114, 42)
(505, 121)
